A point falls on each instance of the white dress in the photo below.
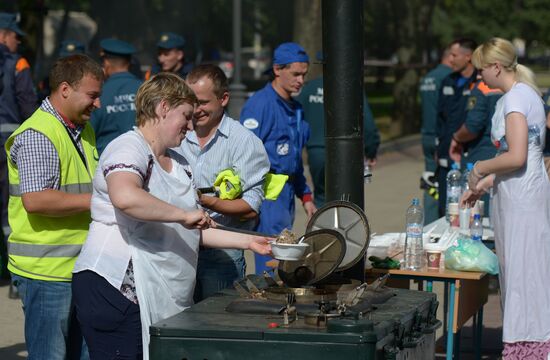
(520, 214)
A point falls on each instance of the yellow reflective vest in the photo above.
(43, 247)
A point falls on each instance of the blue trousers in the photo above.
(217, 269)
(51, 329)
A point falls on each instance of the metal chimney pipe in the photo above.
(343, 100)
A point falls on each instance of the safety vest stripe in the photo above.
(41, 251)
(8, 128)
(36, 274)
(85, 188)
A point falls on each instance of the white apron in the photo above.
(164, 255)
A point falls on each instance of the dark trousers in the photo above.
(109, 321)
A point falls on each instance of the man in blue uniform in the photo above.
(17, 102)
(472, 141)
(171, 56)
(118, 112)
(278, 121)
(430, 88)
(452, 108)
(311, 98)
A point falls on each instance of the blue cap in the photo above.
(170, 40)
(288, 53)
(469, 166)
(117, 47)
(9, 21)
(71, 47)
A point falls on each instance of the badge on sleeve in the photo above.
(282, 149)
(448, 90)
(471, 102)
(251, 123)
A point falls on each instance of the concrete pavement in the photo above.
(395, 182)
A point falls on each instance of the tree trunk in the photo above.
(410, 21)
(307, 31)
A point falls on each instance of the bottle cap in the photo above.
(415, 201)
(477, 217)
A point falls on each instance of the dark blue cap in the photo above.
(9, 21)
(170, 40)
(71, 47)
(117, 47)
(288, 53)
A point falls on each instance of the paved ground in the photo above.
(395, 183)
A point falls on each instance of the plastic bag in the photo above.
(470, 255)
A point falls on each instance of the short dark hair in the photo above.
(72, 69)
(214, 73)
(466, 43)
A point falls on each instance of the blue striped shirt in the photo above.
(231, 147)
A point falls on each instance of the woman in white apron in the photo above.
(520, 208)
(139, 261)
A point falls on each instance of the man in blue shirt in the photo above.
(452, 108)
(430, 87)
(311, 98)
(118, 112)
(278, 121)
(218, 143)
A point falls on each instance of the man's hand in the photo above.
(310, 208)
(455, 150)
(371, 162)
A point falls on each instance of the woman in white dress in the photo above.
(520, 206)
(138, 264)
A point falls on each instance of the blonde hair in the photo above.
(164, 86)
(502, 51)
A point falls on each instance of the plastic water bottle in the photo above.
(414, 252)
(454, 189)
(465, 175)
(476, 229)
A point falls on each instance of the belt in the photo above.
(291, 177)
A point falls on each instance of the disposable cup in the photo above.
(434, 258)
(454, 215)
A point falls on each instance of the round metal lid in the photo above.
(349, 220)
(325, 252)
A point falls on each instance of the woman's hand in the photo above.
(485, 184)
(260, 245)
(196, 219)
(474, 177)
(469, 198)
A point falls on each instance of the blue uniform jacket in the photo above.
(117, 113)
(17, 96)
(480, 107)
(282, 129)
(452, 107)
(430, 88)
